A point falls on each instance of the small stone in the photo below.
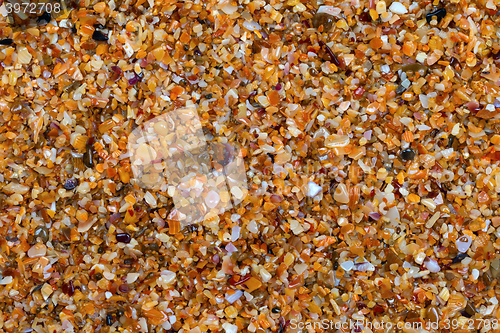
(421, 56)
(432, 265)
(381, 7)
(109, 319)
(265, 275)
(432, 314)
(46, 291)
(230, 328)
(347, 265)
(38, 250)
(323, 19)
(68, 288)
(470, 309)
(145, 153)
(438, 13)
(341, 195)
(132, 277)
(408, 154)
(429, 203)
(487, 278)
(7, 41)
(300, 268)
(398, 8)
(161, 128)
(123, 238)
(70, 184)
(212, 199)
(99, 36)
(444, 294)
(44, 18)
(314, 189)
(6, 280)
(237, 192)
(43, 233)
(463, 243)
(475, 274)
(231, 312)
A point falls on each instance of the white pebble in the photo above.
(6, 280)
(398, 8)
(252, 227)
(237, 192)
(235, 233)
(329, 10)
(432, 265)
(347, 265)
(463, 243)
(37, 251)
(300, 268)
(212, 199)
(475, 274)
(132, 277)
(314, 189)
(230, 328)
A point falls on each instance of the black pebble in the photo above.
(6, 41)
(73, 29)
(43, 233)
(154, 247)
(470, 310)
(408, 154)
(44, 18)
(88, 156)
(186, 47)
(276, 310)
(123, 238)
(98, 276)
(451, 139)
(70, 184)
(11, 239)
(208, 96)
(439, 13)
(323, 19)
(109, 319)
(459, 258)
(99, 36)
(453, 62)
(365, 17)
(400, 89)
